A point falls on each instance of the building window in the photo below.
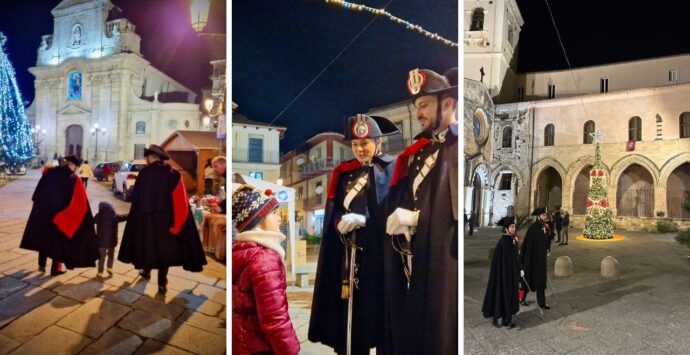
(520, 93)
(506, 179)
(256, 150)
(673, 75)
(549, 132)
(635, 129)
(74, 92)
(587, 132)
(141, 127)
(510, 36)
(477, 20)
(139, 151)
(685, 125)
(603, 85)
(319, 193)
(300, 193)
(507, 137)
(552, 91)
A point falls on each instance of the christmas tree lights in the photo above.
(380, 12)
(598, 223)
(15, 135)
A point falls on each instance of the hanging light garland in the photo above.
(379, 12)
(15, 135)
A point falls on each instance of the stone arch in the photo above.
(635, 192)
(671, 165)
(541, 165)
(623, 163)
(507, 166)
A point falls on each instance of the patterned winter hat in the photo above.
(250, 207)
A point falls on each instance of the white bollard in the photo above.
(564, 266)
(609, 267)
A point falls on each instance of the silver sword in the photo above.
(530, 291)
(551, 284)
(351, 294)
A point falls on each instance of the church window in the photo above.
(552, 91)
(635, 129)
(141, 127)
(603, 85)
(74, 87)
(587, 132)
(548, 135)
(477, 20)
(672, 75)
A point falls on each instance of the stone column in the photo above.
(468, 199)
(612, 190)
(660, 200)
(486, 207)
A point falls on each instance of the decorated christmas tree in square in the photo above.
(598, 223)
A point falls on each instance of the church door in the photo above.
(75, 139)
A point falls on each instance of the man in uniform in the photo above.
(160, 230)
(422, 281)
(533, 257)
(60, 225)
(354, 223)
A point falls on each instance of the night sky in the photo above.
(167, 39)
(600, 32)
(278, 47)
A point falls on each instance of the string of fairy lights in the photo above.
(380, 12)
(15, 135)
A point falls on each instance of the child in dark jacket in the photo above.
(106, 231)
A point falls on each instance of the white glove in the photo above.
(522, 273)
(402, 221)
(351, 221)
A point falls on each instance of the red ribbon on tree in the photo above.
(597, 172)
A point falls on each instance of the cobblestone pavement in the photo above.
(644, 311)
(80, 313)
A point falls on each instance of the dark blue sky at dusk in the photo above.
(167, 39)
(278, 47)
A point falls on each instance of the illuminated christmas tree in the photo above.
(598, 223)
(15, 131)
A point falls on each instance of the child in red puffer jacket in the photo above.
(260, 320)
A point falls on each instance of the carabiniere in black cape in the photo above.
(53, 195)
(424, 319)
(147, 241)
(501, 297)
(328, 323)
(533, 256)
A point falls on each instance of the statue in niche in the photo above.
(76, 36)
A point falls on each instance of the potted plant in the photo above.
(683, 237)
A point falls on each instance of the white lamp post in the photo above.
(96, 131)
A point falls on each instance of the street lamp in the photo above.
(199, 14)
(38, 135)
(96, 131)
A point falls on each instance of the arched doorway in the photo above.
(549, 189)
(476, 200)
(678, 191)
(74, 140)
(635, 192)
(581, 191)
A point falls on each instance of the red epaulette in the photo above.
(343, 167)
(401, 162)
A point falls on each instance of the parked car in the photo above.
(100, 174)
(124, 179)
(17, 170)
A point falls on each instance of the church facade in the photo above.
(96, 96)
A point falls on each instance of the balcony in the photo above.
(318, 167)
(255, 156)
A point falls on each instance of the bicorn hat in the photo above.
(422, 82)
(154, 149)
(73, 159)
(539, 211)
(505, 222)
(363, 126)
